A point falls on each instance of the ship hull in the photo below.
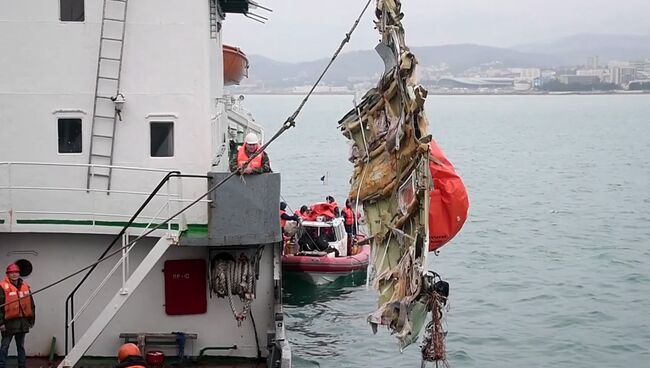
(54, 256)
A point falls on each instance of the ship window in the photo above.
(70, 136)
(162, 139)
(72, 10)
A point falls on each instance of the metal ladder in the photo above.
(120, 298)
(214, 22)
(107, 90)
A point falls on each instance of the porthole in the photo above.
(25, 267)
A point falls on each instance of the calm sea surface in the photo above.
(552, 268)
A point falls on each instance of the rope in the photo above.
(363, 134)
(291, 120)
(235, 278)
(433, 343)
(345, 40)
(289, 123)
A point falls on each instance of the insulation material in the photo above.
(407, 187)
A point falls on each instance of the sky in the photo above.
(303, 30)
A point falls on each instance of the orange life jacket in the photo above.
(282, 221)
(242, 157)
(16, 307)
(349, 215)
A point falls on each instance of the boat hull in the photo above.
(325, 270)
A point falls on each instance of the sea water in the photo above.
(552, 268)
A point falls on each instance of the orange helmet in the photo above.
(128, 350)
(13, 268)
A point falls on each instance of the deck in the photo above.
(205, 362)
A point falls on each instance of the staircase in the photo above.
(107, 91)
(111, 309)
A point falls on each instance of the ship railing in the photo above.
(122, 261)
(239, 116)
(171, 203)
(9, 184)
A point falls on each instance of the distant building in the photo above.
(321, 89)
(544, 79)
(584, 80)
(602, 74)
(548, 73)
(617, 63)
(526, 73)
(475, 83)
(642, 68)
(497, 73)
(522, 85)
(341, 89)
(622, 75)
(639, 85)
(592, 62)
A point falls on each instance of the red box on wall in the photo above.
(185, 287)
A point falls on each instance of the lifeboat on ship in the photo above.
(320, 253)
(235, 65)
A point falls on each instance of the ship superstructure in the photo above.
(101, 102)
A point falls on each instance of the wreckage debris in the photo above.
(413, 200)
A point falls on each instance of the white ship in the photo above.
(101, 102)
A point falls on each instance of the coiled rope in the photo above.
(235, 278)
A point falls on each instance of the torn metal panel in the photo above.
(389, 134)
(413, 199)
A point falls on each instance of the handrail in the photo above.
(176, 197)
(69, 302)
(35, 163)
(70, 189)
(112, 271)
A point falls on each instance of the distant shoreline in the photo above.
(439, 93)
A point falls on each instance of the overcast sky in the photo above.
(301, 30)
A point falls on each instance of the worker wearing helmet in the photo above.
(17, 314)
(285, 217)
(333, 205)
(129, 356)
(259, 164)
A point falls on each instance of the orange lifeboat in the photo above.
(235, 65)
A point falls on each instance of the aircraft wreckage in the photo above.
(413, 200)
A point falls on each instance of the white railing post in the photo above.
(169, 206)
(125, 255)
(93, 195)
(10, 218)
(182, 221)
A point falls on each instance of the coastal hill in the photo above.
(575, 49)
(359, 65)
(362, 65)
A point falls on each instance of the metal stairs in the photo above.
(107, 95)
(128, 288)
